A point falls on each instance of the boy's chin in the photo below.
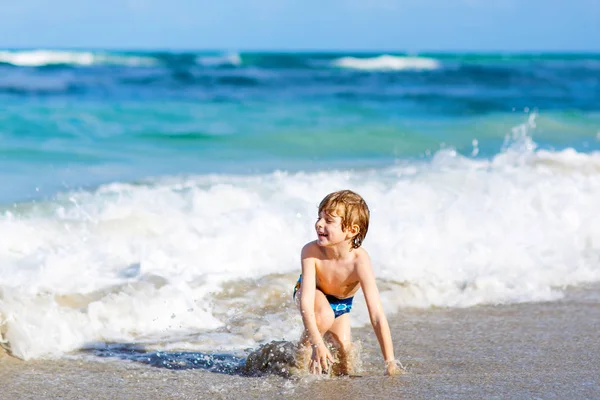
(322, 241)
(325, 242)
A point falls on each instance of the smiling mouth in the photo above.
(322, 234)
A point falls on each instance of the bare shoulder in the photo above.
(362, 257)
(362, 262)
(310, 250)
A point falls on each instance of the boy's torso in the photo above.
(337, 277)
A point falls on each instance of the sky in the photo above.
(235, 25)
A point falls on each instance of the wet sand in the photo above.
(542, 350)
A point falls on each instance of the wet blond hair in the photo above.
(352, 209)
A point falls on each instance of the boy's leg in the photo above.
(341, 336)
(324, 318)
(323, 312)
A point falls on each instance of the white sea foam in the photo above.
(224, 59)
(387, 62)
(209, 261)
(38, 58)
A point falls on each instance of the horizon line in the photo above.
(299, 50)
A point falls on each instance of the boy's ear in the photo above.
(353, 230)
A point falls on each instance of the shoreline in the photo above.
(544, 350)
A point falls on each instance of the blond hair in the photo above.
(352, 209)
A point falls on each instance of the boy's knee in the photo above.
(345, 345)
(342, 345)
(324, 318)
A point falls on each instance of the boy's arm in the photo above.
(307, 299)
(376, 313)
(320, 354)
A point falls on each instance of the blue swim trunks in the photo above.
(339, 306)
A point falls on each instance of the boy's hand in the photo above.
(321, 357)
(391, 368)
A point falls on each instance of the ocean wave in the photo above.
(387, 63)
(159, 267)
(40, 90)
(40, 58)
(193, 79)
(233, 59)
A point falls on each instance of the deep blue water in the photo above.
(80, 118)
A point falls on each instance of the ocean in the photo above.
(160, 199)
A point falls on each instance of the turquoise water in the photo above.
(78, 119)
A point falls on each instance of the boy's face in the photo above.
(329, 229)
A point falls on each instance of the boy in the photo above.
(334, 267)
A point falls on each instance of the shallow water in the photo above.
(533, 350)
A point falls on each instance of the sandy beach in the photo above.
(535, 350)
